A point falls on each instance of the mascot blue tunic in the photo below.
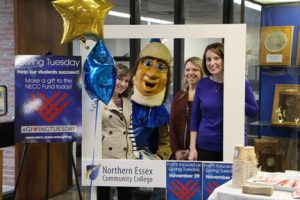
(150, 117)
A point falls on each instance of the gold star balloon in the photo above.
(82, 18)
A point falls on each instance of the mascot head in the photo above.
(152, 74)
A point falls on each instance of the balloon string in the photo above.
(95, 129)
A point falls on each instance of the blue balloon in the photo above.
(100, 73)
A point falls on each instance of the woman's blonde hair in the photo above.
(197, 62)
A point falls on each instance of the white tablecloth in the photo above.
(227, 192)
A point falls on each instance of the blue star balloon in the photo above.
(100, 73)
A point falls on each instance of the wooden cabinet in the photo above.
(1, 172)
(38, 29)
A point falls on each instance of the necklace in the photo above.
(215, 80)
(215, 88)
(216, 85)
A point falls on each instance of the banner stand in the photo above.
(76, 175)
(27, 142)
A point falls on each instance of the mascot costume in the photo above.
(150, 117)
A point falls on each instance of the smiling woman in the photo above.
(116, 142)
(207, 111)
(181, 109)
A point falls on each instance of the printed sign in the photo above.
(195, 180)
(214, 175)
(128, 173)
(47, 98)
(184, 180)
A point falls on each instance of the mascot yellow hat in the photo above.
(156, 49)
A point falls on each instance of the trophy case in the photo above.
(276, 133)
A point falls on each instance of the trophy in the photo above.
(286, 105)
(279, 115)
(289, 100)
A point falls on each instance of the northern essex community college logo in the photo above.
(92, 171)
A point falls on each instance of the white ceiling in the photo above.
(196, 11)
(275, 1)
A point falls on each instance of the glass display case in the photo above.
(276, 82)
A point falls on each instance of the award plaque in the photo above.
(298, 48)
(276, 45)
(3, 100)
(286, 105)
(271, 158)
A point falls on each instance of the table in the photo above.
(227, 192)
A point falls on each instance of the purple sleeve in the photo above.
(196, 113)
(251, 107)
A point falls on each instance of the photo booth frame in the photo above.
(234, 36)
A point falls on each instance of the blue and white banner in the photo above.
(214, 175)
(184, 180)
(47, 98)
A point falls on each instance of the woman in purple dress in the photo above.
(207, 113)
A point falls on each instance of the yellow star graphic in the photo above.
(82, 17)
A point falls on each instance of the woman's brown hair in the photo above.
(218, 49)
(123, 70)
